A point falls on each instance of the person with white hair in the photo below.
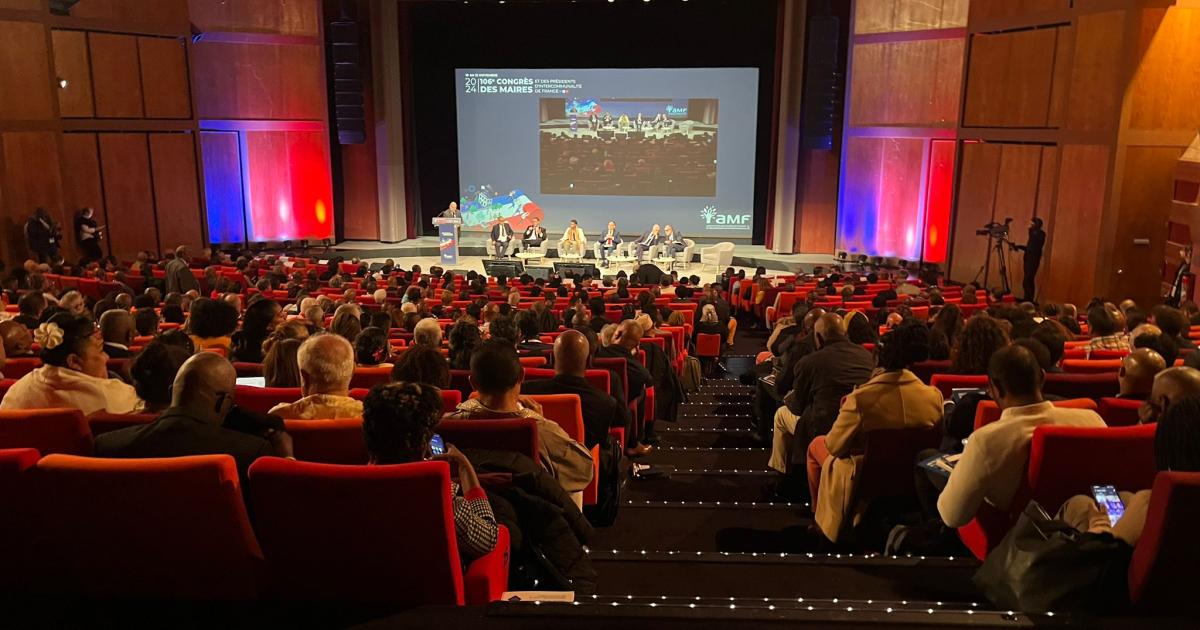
(428, 332)
(326, 366)
(380, 296)
(73, 303)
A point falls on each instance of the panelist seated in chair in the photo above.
(398, 425)
(501, 237)
(534, 235)
(609, 241)
(648, 240)
(573, 240)
(672, 242)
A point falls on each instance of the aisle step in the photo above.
(731, 526)
(702, 458)
(691, 485)
(690, 436)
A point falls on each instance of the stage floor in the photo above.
(473, 249)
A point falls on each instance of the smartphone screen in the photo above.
(436, 445)
(1107, 496)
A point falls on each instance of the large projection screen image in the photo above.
(635, 146)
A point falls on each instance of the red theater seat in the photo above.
(261, 399)
(1095, 386)
(503, 434)
(566, 411)
(48, 430)
(16, 368)
(1162, 571)
(145, 529)
(888, 460)
(368, 377)
(947, 383)
(1091, 366)
(102, 422)
(1065, 461)
(367, 534)
(988, 412)
(1120, 412)
(338, 441)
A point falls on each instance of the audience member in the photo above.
(74, 372)
(422, 364)
(894, 398)
(1170, 385)
(600, 410)
(1137, 373)
(145, 320)
(211, 324)
(399, 421)
(326, 366)
(18, 341)
(427, 332)
(196, 422)
(994, 460)
(464, 339)
(496, 375)
(116, 328)
(1106, 334)
(281, 366)
(153, 371)
(372, 349)
(258, 322)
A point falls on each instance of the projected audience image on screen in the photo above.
(636, 146)
(629, 147)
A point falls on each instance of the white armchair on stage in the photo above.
(719, 255)
(566, 252)
(684, 257)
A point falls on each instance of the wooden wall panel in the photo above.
(82, 185)
(1144, 208)
(1016, 197)
(287, 17)
(896, 83)
(164, 77)
(1009, 79)
(116, 79)
(176, 191)
(71, 64)
(128, 193)
(24, 72)
(888, 16)
(993, 9)
(258, 81)
(1166, 84)
(158, 16)
(1061, 75)
(23, 5)
(30, 179)
(1073, 234)
(1096, 88)
(818, 181)
(976, 196)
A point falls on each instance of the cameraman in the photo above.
(1033, 256)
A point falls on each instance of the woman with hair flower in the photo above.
(74, 372)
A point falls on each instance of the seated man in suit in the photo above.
(672, 242)
(502, 234)
(609, 242)
(197, 421)
(600, 410)
(648, 240)
(572, 240)
(534, 235)
(116, 327)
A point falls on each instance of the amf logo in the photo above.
(715, 220)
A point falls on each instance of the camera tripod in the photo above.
(996, 245)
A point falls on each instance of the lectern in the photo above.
(448, 239)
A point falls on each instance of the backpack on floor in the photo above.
(690, 379)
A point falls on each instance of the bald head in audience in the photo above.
(571, 353)
(204, 387)
(828, 328)
(628, 335)
(428, 332)
(1138, 370)
(116, 326)
(326, 365)
(17, 339)
(1170, 385)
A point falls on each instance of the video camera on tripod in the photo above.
(998, 231)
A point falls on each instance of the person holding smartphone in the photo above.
(398, 428)
(1176, 448)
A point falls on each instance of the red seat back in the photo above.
(14, 525)
(1065, 461)
(988, 412)
(503, 434)
(1120, 412)
(1162, 571)
(338, 441)
(926, 369)
(450, 399)
(947, 383)
(18, 367)
(321, 527)
(888, 460)
(248, 369)
(5, 385)
(261, 399)
(708, 345)
(48, 430)
(1090, 366)
(368, 377)
(173, 528)
(1095, 386)
(565, 410)
(102, 422)
(533, 361)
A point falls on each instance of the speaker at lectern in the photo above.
(448, 238)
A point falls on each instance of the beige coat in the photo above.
(890, 400)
